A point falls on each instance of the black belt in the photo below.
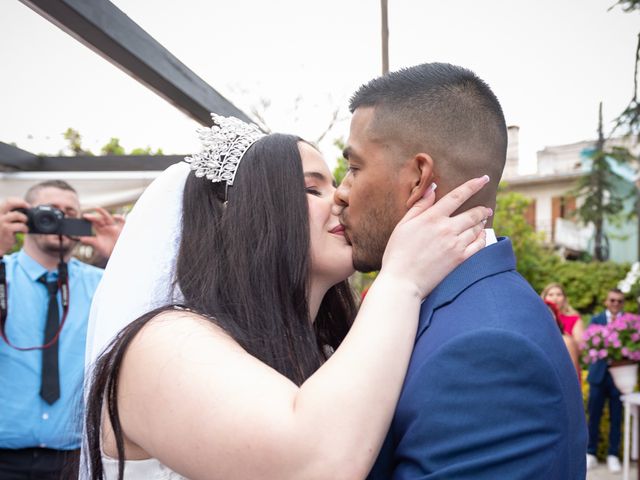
(42, 463)
(35, 452)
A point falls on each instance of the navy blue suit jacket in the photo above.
(491, 392)
(598, 370)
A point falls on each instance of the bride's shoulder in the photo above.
(181, 316)
(179, 329)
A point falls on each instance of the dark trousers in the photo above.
(598, 394)
(38, 464)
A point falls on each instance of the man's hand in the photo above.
(107, 228)
(11, 222)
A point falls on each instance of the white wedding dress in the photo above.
(149, 469)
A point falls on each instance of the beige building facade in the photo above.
(550, 187)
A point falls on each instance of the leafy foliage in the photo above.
(602, 197)
(341, 164)
(112, 147)
(629, 119)
(18, 244)
(146, 151)
(74, 139)
(602, 182)
(627, 5)
(586, 283)
(534, 259)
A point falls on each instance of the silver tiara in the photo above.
(224, 145)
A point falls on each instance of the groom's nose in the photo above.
(341, 195)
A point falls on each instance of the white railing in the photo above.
(570, 235)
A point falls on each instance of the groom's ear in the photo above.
(422, 176)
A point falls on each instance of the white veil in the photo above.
(141, 270)
(140, 273)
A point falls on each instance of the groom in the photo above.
(491, 392)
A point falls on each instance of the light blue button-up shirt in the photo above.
(26, 420)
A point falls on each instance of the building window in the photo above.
(561, 207)
(530, 214)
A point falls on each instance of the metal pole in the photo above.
(385, 36)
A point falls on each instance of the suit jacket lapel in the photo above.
(491, 260)
(600, 319)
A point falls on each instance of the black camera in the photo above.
(46, 219)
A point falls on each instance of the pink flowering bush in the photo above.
(619, 341)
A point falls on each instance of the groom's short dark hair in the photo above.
(445, 111)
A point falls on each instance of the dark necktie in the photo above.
(50, 386)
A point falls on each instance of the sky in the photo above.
(550, 62)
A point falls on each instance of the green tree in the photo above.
(586, 283)
(146, 151)
(340, 171)
(629, 119)
(627, 5)
(74, 139)
(113, 147)
(600, 190)
(534, 259)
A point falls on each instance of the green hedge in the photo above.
(586, 282)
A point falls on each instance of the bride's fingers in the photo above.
(469, 218)
(427, 200)
(477, 245)
(453, 200)
(467, 237)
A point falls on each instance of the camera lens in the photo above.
(47, 220)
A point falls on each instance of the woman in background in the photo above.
(571, 344)
(567, 315)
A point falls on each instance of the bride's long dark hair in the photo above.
(244, 266)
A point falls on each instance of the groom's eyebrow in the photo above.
(350, 155)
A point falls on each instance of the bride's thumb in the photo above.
(427, 200)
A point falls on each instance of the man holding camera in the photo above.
(45, 297)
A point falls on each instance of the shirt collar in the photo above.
(32, 268)
(491, 236)
(609, 314)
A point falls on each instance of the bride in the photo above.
(234, 375)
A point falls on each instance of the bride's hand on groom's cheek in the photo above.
(428, 243)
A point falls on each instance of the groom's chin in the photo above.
(365, 265)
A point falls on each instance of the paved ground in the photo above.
(601, 473)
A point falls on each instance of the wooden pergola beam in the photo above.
(108, 163)
(15, 159)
